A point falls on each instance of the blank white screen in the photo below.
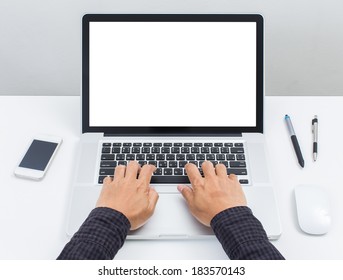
(172, 74)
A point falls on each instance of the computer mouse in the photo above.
(313, 209)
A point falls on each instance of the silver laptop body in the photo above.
(173, 80)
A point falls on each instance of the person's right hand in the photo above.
(213, 193)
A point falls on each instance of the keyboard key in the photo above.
(194, 162)
(238, 164)
(185, 150)
(167, 171)
(228, 144)
(175, 150)
(197, 144)
(145, 150)
(173, 163)
(153, 162)
(237, 150)
(122, 162)
(215, 150)
(158, 171)
(225, 163)
(126, 150)
(165, 150)
(161, 157)
(130, 157)
(106, 144)
(218, 144)
(108, 163)
(116, 145)
(240, 157)
(106, 171)
(170, 157)
(137, 144)
(238, 144)
(188, 144)
(170, 179)
(200, 157)
(157, 145)
(205, 150)
(236, 171)
(180, 157)
(210, 157)
(136, 150)
(190, 157)
(106, 150)
(107, 157)
(127, 144)
(162, 164)
(220, 157)
(225, 150)
(116, 150)
(150, 157)
(195, 150)
(182, 163)
(140, 157)
(120, 157)
(230, 157)
(208, 144)
(147, 144)
(155, 150)
(244, 181)
(167, 144)
(177, 144)
(178, 171)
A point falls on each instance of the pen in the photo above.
(315, 137)
(294, 141)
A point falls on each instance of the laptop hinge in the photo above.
(173, 135)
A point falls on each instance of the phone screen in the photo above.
(38, 155)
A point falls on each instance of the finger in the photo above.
(187, 193)
(208, 169)
(221, 170)
(193, 174)
(132, 170)
(153, 198)
(146, 173)
(119, 172)
(233, 177)
(107, 180)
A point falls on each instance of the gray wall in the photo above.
(40, 41)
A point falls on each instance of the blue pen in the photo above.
(294, 141)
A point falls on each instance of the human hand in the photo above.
(213, 193)
(131, 196)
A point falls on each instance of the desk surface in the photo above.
(33, 214)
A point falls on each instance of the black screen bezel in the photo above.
(172, 130)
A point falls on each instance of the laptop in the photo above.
(168, 89)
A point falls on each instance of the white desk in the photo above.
(32, 215)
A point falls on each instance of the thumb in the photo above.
(153, 198)
(186, 192)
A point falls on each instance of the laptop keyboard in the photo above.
(170, 158)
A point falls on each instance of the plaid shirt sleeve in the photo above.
(242, 235)
(100, 236)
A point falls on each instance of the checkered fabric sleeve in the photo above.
(242, 235)
(100, 236)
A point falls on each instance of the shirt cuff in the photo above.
(105, 227)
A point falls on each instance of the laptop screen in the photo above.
(172, 73)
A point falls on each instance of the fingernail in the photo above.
(180, 188)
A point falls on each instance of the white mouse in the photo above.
(313, 208)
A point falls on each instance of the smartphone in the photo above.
(38, 157)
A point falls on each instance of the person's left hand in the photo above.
(130, 195)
